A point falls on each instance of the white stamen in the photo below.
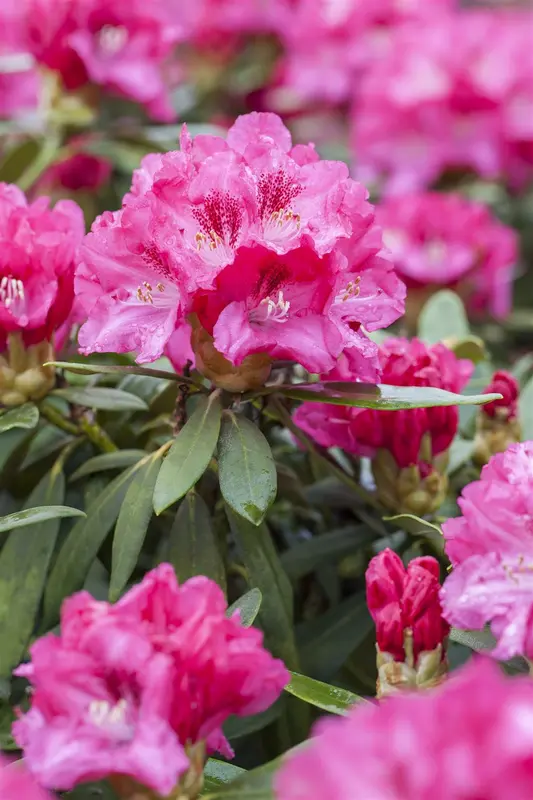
(112, 38)
(278, 310)
(11, 291)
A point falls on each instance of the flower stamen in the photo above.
(11, 290)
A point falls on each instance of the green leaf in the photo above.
(7, 718)
(17, 159)
(367, 395)
(10, 442)
(328, 547)
(266, 573)
(81, 368)
(91, 791)
(247, 473)
(248, 607)
(217, 773)
(193, 548)
(525, 406)
(238, 727)
(189, 456)
(460, 452)
(424, 524)
(253, 785)
(443, 317)
(118, 460)
(26, 416)
(24, 562)
(327, 641)
(32, 516)
(102, 398)
(132, 524)
(329, 698)
(82, 544)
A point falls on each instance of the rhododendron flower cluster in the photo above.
(410, 630)
(265, 249)
(121, 45)
(444, 240)
(470, 737)
(441, 100)
(491, 550)
(132, 689)
(329, 44)
(17, 784)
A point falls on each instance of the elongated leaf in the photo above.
(253, 785)
(81, 546)
(10, 442)
(460, 452)
(190, 454)
(266, 573)
(247, 473)
(193, 547)
(327, 641)
(118, 460)
(326, 548)
(81, 368)
(17, 159)
(33, 516)
(329, 698)
(366, 395)
(132, 524)
(443, 317)
(217, 773)
(238, 727)
(248, 607)
(26, 416)
(24, 561)
(101, 398)
(525, 404)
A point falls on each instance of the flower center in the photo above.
(351, 291)
(113, 719)
(111, 39)
(11, 291)
(220, 220)
(271, 310)
(144, 292)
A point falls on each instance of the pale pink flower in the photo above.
(363, 431)
(444, 240)
(17, 784)
(118, 44)
(38, 249)
(440, 100)
(491, 550)
(273, 250)
(448, 743)
(18, 77)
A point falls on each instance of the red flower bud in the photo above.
(505, 384)
(401, 599)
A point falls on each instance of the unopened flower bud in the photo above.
(410, 630)
(22, 374)
(418, 489)
(252, 373)
(497, 423)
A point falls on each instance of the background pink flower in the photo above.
(17, 784)
(445, 240)
(448, 743)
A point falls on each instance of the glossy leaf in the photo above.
(247, 473)
(119, 460)
(443, 317)
(459, 453)
(381, 396)
(218, 773)
(189, 456)
(24, 561)
(238, 727)
(26, 416)
(132, 524)
(328, 698)
(82, 544)
(266, 573)
(326, 548)
(17, 159)
(101, 398)
(10, 442)
(525, 405)
(255, 784)
(193, 547)
(82, 368)
(33, 516)
(248, 607)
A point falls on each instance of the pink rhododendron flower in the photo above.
(401, 598)
(444, 240)
(119, 44)
(18, 77)
(491, 549)
(503, 383)
(329, 44)
(271, 250)
(125, 689)
(363, 431)
(79, 172)
(440, 100)
(449, 743)
(17, 784)
(38, 247)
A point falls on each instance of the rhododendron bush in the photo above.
(266, 400)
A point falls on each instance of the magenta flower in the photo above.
(503, 383)
(121, 45)
(442, 100)
(17, 784)
(491, 549)
(18, 77)
(444, 240)
(448, 744)
(270, 251)
(128, 689)
(38, 247)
